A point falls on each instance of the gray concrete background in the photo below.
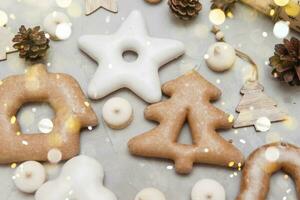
(125, 174)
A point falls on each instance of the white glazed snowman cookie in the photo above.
(58, 25)
(220, 56)
(81, 178)
(115, 72)
(117, 113)
(150, 194)
(29, 176)
(208, 189)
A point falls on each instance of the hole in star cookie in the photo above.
(130, 55)
(35, 118)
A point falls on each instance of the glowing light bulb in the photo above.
(217, 16)
(3, 18)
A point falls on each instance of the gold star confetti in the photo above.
(231, 164)
(87, 104)
(13, 120)
(13, 165)
(230, 118)
(272, 12)
(72, 124)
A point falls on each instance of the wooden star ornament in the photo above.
(92, 5)
(6, 43)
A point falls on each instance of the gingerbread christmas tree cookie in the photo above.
(190, 101)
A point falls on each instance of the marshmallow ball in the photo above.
(208, 189)
(29, 176)
(117, 113)
(150, 194)
(58, 26)
(220, 57)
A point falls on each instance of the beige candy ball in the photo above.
(29, 176)
(220, 57)
(208, 189)
(150, 194)
(117, 113)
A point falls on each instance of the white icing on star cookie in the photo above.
(117, 113)
(114, 72)
(208, 189)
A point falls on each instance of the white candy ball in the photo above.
(58, 25)
(220, 57)
(150, 194)
(29, 176)
(117, 113)
(262, 124)
(208, 189)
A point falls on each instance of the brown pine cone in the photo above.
(31, 43)
(286, 61)
(185, 9)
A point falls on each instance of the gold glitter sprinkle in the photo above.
(72, 124)
(272, 12)
(1, 82)
(18, 133)
(230, 118)
(230, 15)
(286, 176)
(87, 104)
(13, 165)
(55, 140)
(231, 164)
(13, 120)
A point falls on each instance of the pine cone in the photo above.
(286, 61)
(225, 5)
(185, 9)
(31, 43)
